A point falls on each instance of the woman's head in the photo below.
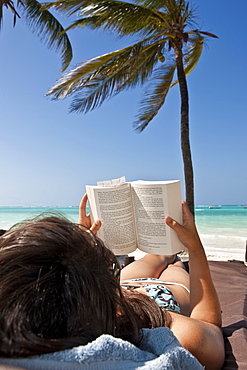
(57, 287)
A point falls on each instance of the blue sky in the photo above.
(47, 155)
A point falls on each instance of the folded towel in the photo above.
(159, 349)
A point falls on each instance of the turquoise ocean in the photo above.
(223, 229)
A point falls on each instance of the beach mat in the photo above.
(230, 279)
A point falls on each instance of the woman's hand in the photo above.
(85, 219)
(187, 232)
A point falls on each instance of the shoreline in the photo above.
(222, 231)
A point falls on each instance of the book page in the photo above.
(151, 206)
(174, 202)
(113, 206)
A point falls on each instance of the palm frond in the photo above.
(204, 33)
(68, 6)
(9, 4)
(141, 66)
(100, 78)
(130, 68)
(123, 17)
(194, 54)
(155, 98)
(49, 29)
(154, 4)
(93, 94)
(75, 79)
(133, 63)
(178, 11)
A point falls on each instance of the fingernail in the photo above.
(168, 219)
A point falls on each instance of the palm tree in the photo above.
(167, 42)
(42, 22)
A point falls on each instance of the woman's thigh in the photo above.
(178, 275)
(148, 266)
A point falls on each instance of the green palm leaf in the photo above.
(109, 81)
(194, 53)
(176, 11)
(9, 4)
(49, 30)
(109, 15)
(107, 75)
(44, 24)
(74, 79)
(155, 98)
(141, 66)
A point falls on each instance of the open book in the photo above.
(133, 213)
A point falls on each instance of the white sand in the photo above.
(212, 255)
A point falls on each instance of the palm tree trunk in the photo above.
(185, 139)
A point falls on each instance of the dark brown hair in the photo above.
(59, 289)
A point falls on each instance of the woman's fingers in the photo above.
(188, 219)
(95, 226)
(83, 204)
(84, 219)
(187, 232)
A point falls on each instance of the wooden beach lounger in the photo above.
(230, 279)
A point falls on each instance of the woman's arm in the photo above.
(204, 302)
(200, 333)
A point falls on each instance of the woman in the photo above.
(197, 325)
(60, 288)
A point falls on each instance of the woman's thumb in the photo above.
(172, 223)
(96, 226)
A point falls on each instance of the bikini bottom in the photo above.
(157, 290)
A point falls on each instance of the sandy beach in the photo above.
(212, 255)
